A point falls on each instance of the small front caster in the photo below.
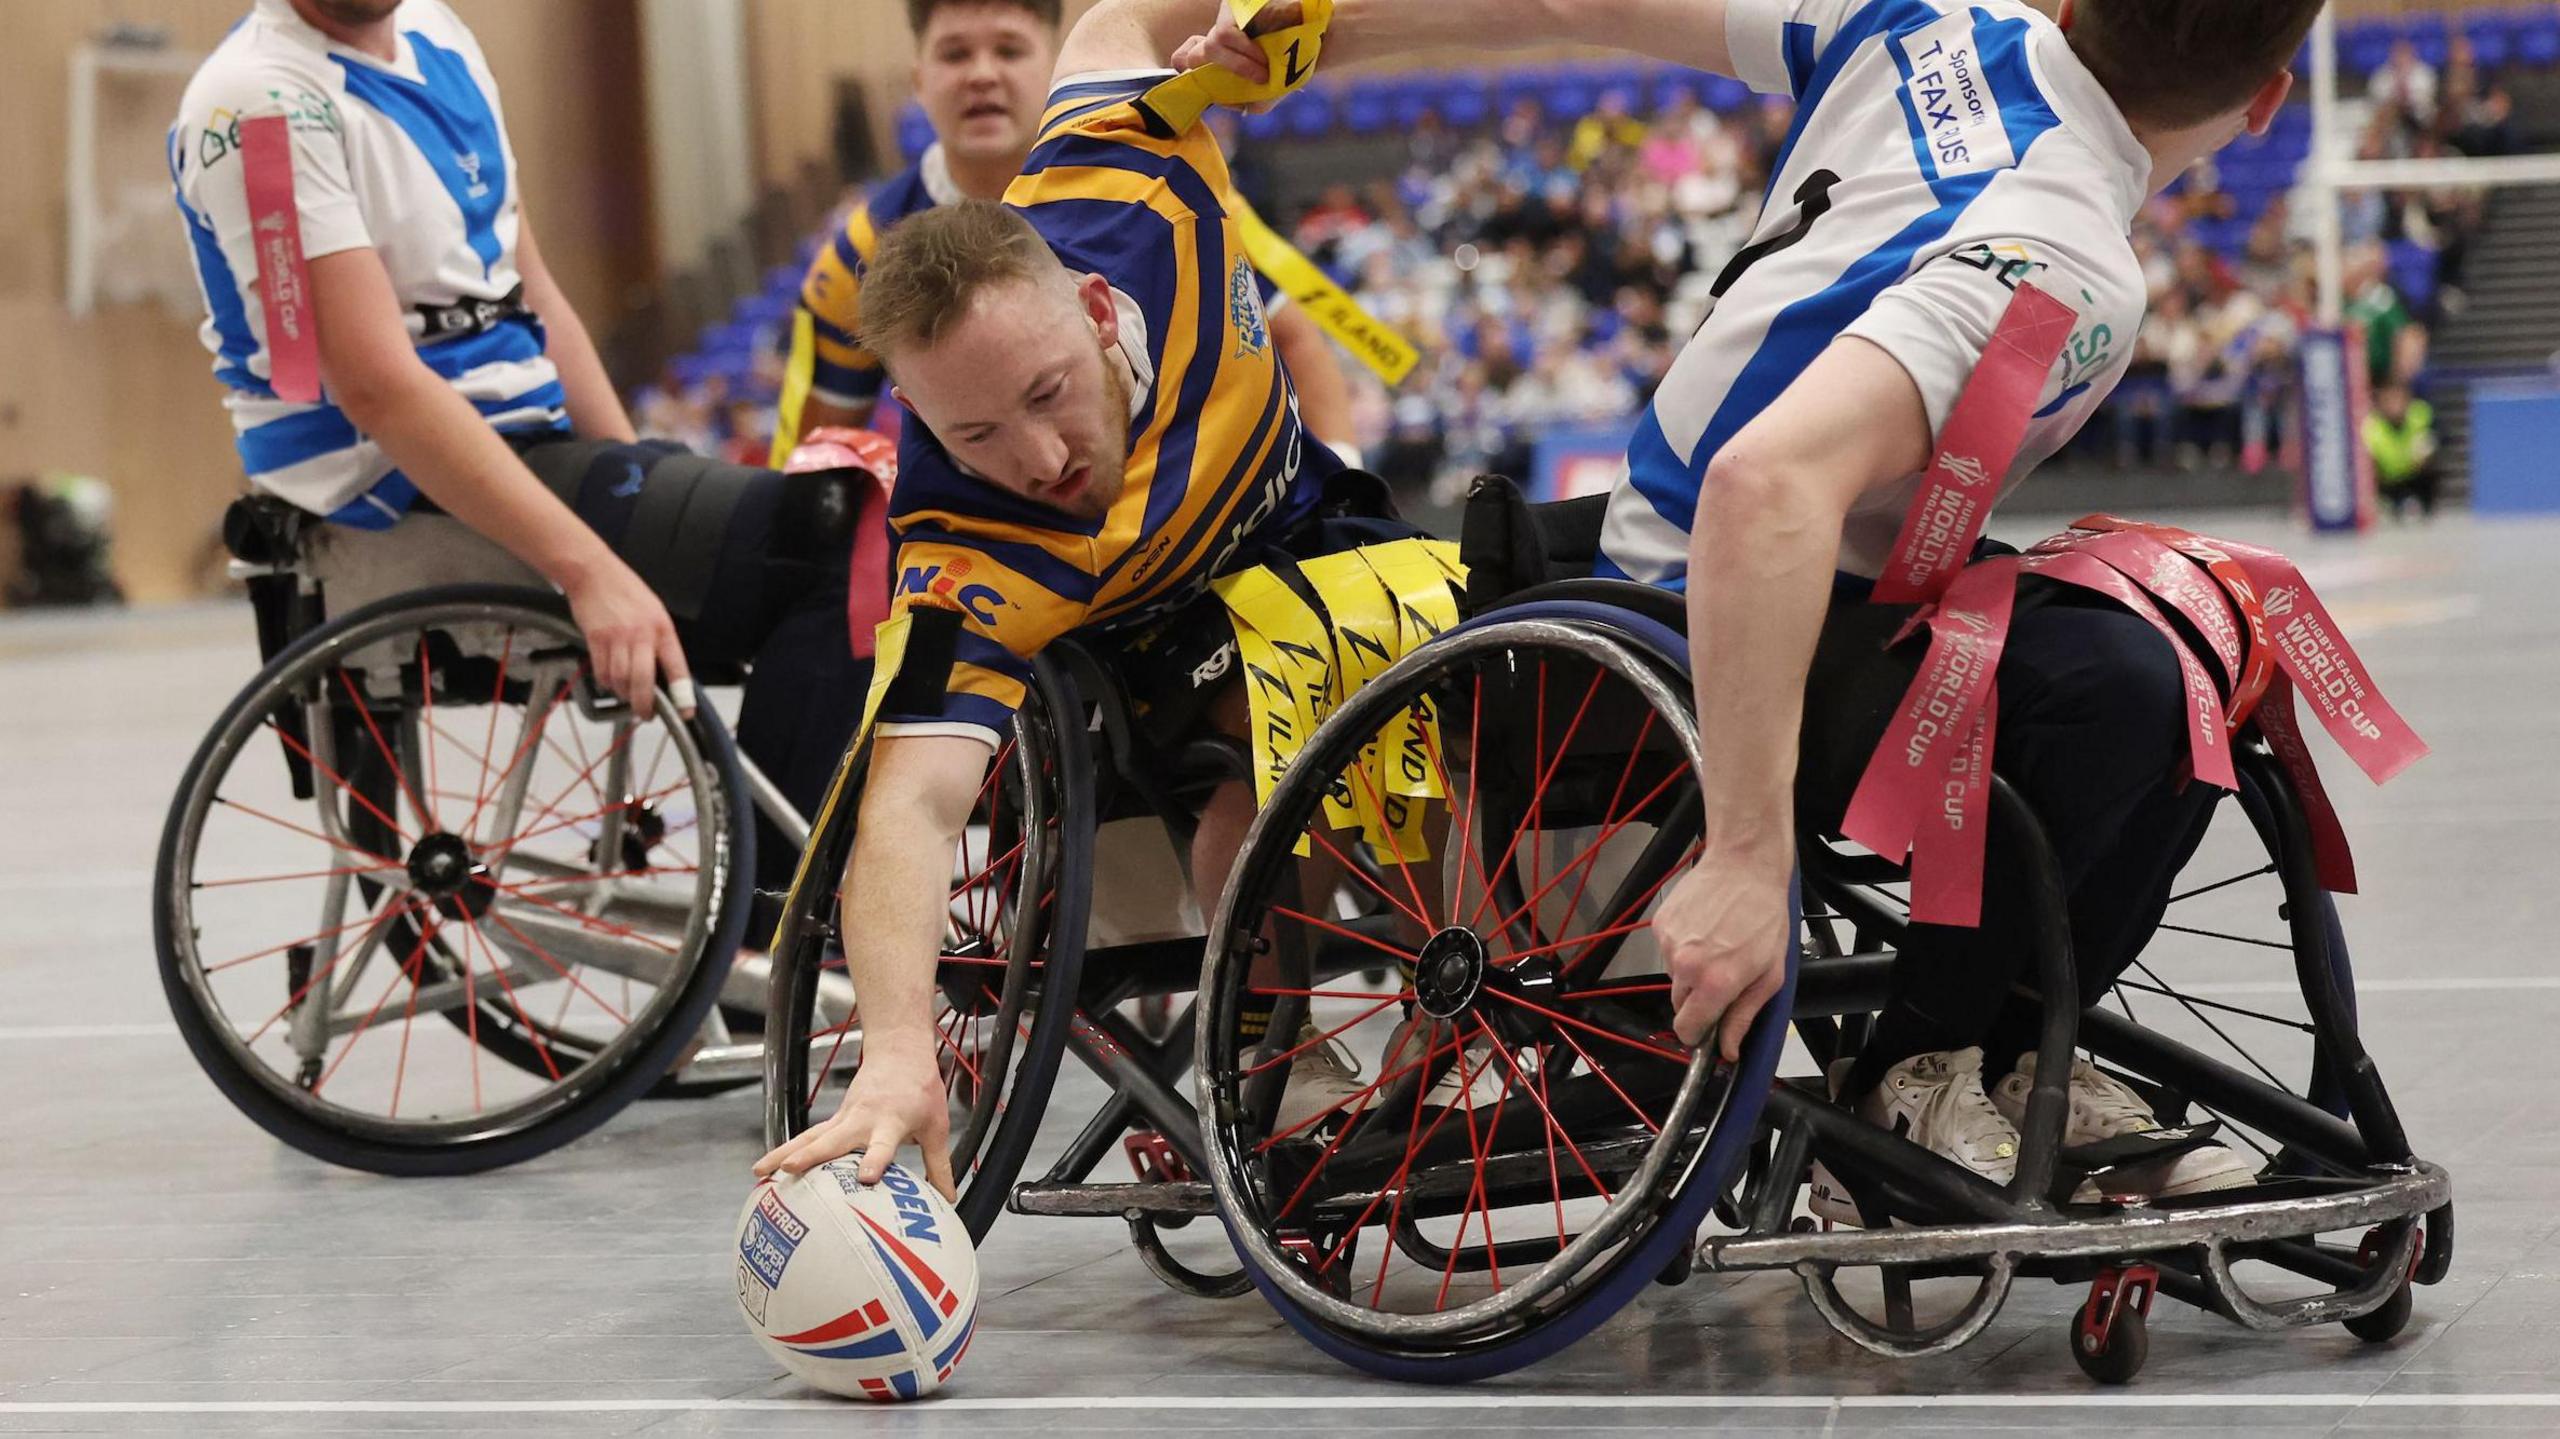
(2381, 1326)
(2111, 1336)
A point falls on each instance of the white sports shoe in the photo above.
(1485, 1073)
(1322, 1077)
(1937, 1102)
(2104, 1107)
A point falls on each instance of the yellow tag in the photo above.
(1287, 657)
(1370, 340)
(1362, 621)
(797, 381)
(1291, 53)
(888, 652)
(1425, 608)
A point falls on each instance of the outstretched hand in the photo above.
(891, 1102)
(1232, 46)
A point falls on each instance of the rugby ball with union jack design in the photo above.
(868, 1291)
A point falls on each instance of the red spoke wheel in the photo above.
(427, 904)
(1013, 937)
(1527, 1142)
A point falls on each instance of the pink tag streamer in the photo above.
(284, 281)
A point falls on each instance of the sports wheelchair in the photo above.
(1532, 1146)
(466, 844)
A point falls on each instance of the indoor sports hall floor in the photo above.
(164, 1265)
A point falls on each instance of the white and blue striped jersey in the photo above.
(409, 158)
(1942, 153)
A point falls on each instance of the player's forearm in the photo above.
(443, 445)
(1315, 372)
(1682, 32)
(1761, 560)
(595, 409)
(897, 891)
(1133, 34)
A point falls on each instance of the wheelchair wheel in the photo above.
(1020, 894)
(1533, 1146)
(424, 819)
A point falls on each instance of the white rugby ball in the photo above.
(868, 1291)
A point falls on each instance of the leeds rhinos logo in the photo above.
(1244, 308)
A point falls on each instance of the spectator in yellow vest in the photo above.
(2400, 435)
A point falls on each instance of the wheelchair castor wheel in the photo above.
(2111, 1336)
(2381, 1326)
(1684, 1262)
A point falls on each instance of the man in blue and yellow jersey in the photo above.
(980, 75)
(982, 68)
(1098, 425)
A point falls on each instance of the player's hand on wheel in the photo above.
(1724, 929)
(896, 1099)
(631, 641)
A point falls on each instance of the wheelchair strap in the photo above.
(677, 525)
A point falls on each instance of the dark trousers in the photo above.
(2418, 490)
(752, 566)
(2092, 734)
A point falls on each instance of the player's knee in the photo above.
(2108, 675)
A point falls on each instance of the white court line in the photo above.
(2383, 986)
(44, 883)
(41, 1033)
(21, 1033)
(1301, 1402)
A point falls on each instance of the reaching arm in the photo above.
(1682, 32)
(1324, 392)
(443, 445)
(1761, 560)
(1133, 34)
(897, 889)
(594, 408)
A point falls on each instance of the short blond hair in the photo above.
(932, 266)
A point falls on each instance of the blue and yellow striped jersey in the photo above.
(1218, 465)
(842, 373)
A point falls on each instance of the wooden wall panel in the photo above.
(126, 394)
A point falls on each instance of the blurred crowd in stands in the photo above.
(1549, 270)
(1550, 265)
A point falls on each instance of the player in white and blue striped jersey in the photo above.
(442, 369)
(1943, 153)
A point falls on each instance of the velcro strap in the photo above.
(677, 524)
(469, 317)
(2148, 1147)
